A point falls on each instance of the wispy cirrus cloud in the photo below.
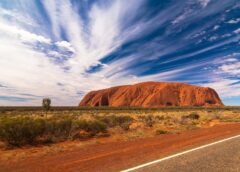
(204, 3)
(21, 34)
(62, 49)
(65, 45)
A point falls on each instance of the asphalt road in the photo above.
(222, 157)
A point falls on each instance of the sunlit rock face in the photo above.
(153, 95)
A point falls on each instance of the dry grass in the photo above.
(99, 126)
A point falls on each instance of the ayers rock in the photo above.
(153, 95)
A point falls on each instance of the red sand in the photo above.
(115, 156)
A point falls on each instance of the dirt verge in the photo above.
(115, 156)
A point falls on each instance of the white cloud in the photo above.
(180, 18)
(231, 60)
(102, 35)
(213, 38)
(54, 54)
(66, 45)
(225, 87)
(17, 17)
(25, 70)
(204, 3)
(28, 70)
(232, 68)
(226, 35)
(234, 21)
(223, 70)
(216, 27)
(23, 35)
(31, 37)
(237, 31)
(52, 8)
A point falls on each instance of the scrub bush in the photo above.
(112, 121)
(19, 131)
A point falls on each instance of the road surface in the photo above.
(117, 156)
(220, 157)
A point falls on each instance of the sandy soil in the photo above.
(115, 156)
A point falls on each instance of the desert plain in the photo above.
(62, 130)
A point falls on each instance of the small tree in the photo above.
(46, 104)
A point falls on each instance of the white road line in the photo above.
(179, 154)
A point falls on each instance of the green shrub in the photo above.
(194, 116)
(149, 120)
(191, 116)
(19, 131)
(92, 127)
(125, 126)
(57, 129)
(113, 121)
(215, 116)
(159, 118)
(159, 132)
(95, 127)
(81, 124)
(46, 103)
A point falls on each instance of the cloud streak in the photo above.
(63, 49)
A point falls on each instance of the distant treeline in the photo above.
(105, 108)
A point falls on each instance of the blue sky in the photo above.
(64, 48)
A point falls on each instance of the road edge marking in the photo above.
(179, 154)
